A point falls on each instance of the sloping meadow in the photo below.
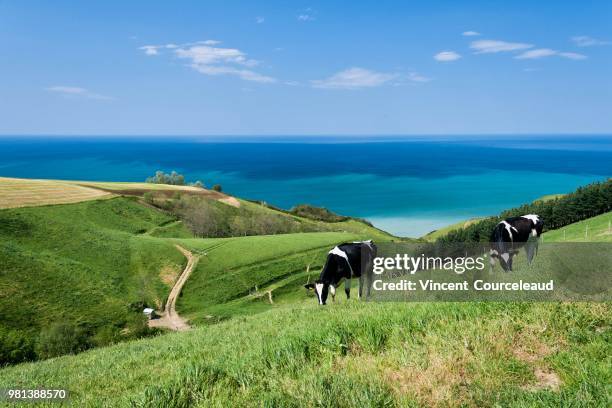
(353, 354)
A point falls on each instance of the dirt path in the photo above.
(170, 318)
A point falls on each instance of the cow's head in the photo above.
(321, 290)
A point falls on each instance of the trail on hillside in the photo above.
(170, 319)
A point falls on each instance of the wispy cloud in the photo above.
(76, 92)
(547, 52)
(470, 33)
(586, 41)
(447, 56)
(572, 55)
(416, 77)
(307, 15)
(354, 78)
(205, 58)
(495, 46)
(150, 49)
(537, 53)
(260, 20)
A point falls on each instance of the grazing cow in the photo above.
(345, 261)
(510, 235)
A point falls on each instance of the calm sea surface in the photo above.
(408, 186)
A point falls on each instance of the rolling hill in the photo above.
(89, 268)
(249, 348)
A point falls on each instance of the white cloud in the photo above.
(446, 56)
(586, 41)
(207, 59)
(76, 92)
(470, 33)
(547, 52)
(244, 74)
(494, 46)
(150, 49)
(572, 55)
(537, 53)
(260, 20)
(416, 77)
(354, 78)
(207, 55)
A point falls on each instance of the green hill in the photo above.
(259, 338)
(87, 264)
(352, 354)
(87, 270)
(433, 235)
(596, 229)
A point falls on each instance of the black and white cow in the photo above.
(345, 261)
(512, 234)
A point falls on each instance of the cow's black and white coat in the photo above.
(513, 233)
(346, 261)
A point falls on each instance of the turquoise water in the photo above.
(407, 186)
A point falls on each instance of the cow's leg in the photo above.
(347, 288)
(368, 283)
(361, 281)
(492, 260)
(332, 292)
(510, 262)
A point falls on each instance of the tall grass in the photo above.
(353, 354)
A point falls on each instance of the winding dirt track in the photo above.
(170, 318)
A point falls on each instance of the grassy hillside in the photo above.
(353, 354)
(432, 236)
(90, 263)
(24, 193)
(87, 264)
(596, 229)
(86, 270)
(234, 268)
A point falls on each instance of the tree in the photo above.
(201, 218)
(173, 178)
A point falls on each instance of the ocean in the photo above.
(406, 185)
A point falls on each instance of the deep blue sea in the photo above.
(408, 186)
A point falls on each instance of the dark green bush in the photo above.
(59, 339)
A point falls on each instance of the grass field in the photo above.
(549, 197)
(83, 264)
(432, 236)
(247, 351)
(353, 354)
(97, 263)
(233, 267)
(16, 193)
(596, 229)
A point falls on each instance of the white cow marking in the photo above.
(508, 228)
(505, 257)
(319, 292)
(533, 217)
(339, 252)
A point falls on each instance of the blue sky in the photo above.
(300, 68)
